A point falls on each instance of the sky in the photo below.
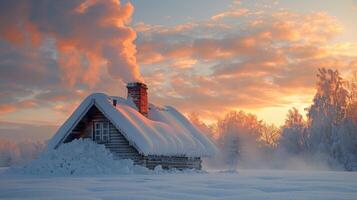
(204, 56)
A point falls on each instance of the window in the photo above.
(101, 131)
(97, 131)
(105, 131)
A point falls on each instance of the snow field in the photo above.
(246, 184)
(74, 172)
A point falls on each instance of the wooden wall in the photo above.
(168, 162)
(122, 149)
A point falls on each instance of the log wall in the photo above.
(122, 149)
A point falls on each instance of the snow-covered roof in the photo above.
(166, 131)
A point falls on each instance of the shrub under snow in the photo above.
(79, 157)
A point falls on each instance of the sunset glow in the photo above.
(201, 57)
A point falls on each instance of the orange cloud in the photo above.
(267, 65)
(11, 107)
(83, 39)
(7, 108)
(51, 50)
(230, 13)
(211, 65)
(282, 27)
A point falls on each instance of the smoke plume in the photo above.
(90, 36)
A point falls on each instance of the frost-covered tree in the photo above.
(238, 136)
(332, 123)
(206, 129)
(329, 108)
(18, 153)
(344, 147)
(352, 106)
(9, 153)
(329, 135)
(270, 135)
(293, 137)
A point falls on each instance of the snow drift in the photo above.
(79, 157)
(83, 157)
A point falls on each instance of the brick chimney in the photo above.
(138, 92)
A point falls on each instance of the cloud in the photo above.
(86, 33)
(354, 6)
(20, 132)
(50, 50)
(235, 10)
(281, 29)
(230, 13)
(242, 58)
(13, 106)
(253, 60)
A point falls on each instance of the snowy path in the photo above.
(246, 184)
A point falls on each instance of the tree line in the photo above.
(328, 135)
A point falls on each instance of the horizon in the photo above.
(259, 57)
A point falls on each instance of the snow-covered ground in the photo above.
(83, 169)
(245, 184)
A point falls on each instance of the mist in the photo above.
(327, 140)
(20, 153)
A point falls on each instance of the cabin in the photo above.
(133, 129)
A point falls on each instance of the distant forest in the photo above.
(326, 139)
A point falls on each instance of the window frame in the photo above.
(105, 131)
(101, 131)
